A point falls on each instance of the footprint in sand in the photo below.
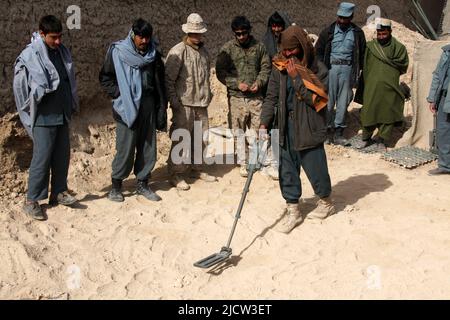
(17, 265)
(127, 248)
(145, 283)
(163, 216)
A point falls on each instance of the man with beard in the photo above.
(341, 48)
(383, 100)
(133, 76)
(243, 66)
(297, 89)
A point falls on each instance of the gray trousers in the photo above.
(313, 161)
(340, 93)
(51, 153)
(443, 139)
(136, 147)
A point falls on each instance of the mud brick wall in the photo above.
(105, 21)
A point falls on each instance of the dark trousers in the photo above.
(313, 161)
(51, 153)
(136, 147)
(443, 138)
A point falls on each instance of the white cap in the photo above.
(383, 23)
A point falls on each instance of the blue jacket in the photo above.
(439, 75)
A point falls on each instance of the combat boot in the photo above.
(325, 208)
(144, 190)
(292, 217)
(116, 191)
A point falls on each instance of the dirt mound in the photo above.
(15, 156)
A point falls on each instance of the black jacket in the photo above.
(153, 80)
(310, 126)
(323, 50)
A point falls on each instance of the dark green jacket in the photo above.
(310, 126)
(235, 64)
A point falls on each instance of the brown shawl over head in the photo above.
(294, 37)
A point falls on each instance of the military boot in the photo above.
(325, 208)
(144, 190)
(116, 191)
(339, 138)
(292, 217)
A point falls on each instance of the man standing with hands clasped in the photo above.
(243, 66)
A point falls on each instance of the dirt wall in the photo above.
(105, 21)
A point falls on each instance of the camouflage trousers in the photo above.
(244, 118)
(185, 118)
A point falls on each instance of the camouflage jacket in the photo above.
(235, 65)
(187, 75)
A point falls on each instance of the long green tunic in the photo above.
(383, 100)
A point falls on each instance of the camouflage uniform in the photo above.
(250, 65)
(187, 82)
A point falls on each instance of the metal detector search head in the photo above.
(214, 259)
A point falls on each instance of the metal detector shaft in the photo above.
(225, 252)
(241, 204)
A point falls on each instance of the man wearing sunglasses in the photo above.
(243, 66)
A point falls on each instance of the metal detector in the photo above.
(226, 251)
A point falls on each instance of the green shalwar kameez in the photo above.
(383, 99)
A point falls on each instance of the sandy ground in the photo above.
(389, 239)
